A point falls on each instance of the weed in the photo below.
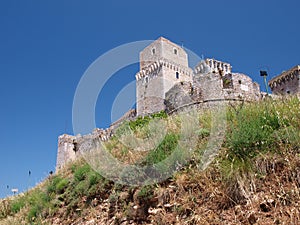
(81, 172)
(146, 193)
(17, 205)
(164, 149)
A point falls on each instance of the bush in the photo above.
(251, 131)
(163, 150)
(34, 212)
(94, 178)
(52, 186)
(146, 193)
(81, 172)
(61, 186)
(143, 121)
(202, 133)
(17, 205)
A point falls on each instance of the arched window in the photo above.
(175, 51)
(177, 75)
(153, 51)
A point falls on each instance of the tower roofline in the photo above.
(161, 38)
(284, 74)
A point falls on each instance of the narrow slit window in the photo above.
(177, 75)
(175, 51)
(153, 51)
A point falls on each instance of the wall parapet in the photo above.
(160, 63)
(287, 75)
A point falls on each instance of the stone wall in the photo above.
(150, 92)
(209, 85)
(165, 82)
(242, 87)
(66, 151)
(163, 48)
(128, 116)
(181, 94)
(287, 82)
(162, 65)
(69, 147)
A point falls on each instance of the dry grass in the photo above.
(255, 179)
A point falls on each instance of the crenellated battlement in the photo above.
(155, 66)
(287, 82)
(213, 66)
(166, 82)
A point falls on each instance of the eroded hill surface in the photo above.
(255, 179)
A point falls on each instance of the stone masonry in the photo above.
(164, 65)
(166, 82)
(287, 82)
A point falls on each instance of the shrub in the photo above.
(52, 186)
(61, 186)
(34, 212)
(17, 205)
(164, 149)
(146, 193)
(94, 178)
(143, 121)
(251, 130)
(81, 172)
(202, 133)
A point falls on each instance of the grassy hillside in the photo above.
(255, 178)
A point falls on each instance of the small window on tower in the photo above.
(153, 51)
(175, 51)
(177, 75)
(146, 80)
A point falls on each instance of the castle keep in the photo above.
(163, 65)
(166, 82)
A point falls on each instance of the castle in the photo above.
(165, 82)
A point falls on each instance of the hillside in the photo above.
(254, 179)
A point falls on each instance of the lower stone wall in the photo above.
(66, 150)
(69, 147)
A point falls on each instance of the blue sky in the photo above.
(46, 46)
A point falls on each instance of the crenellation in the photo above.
(166, 82)
(287, 82)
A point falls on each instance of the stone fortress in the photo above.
(165, 82)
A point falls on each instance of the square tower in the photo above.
(162, 65)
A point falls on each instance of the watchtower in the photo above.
(162, 65)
